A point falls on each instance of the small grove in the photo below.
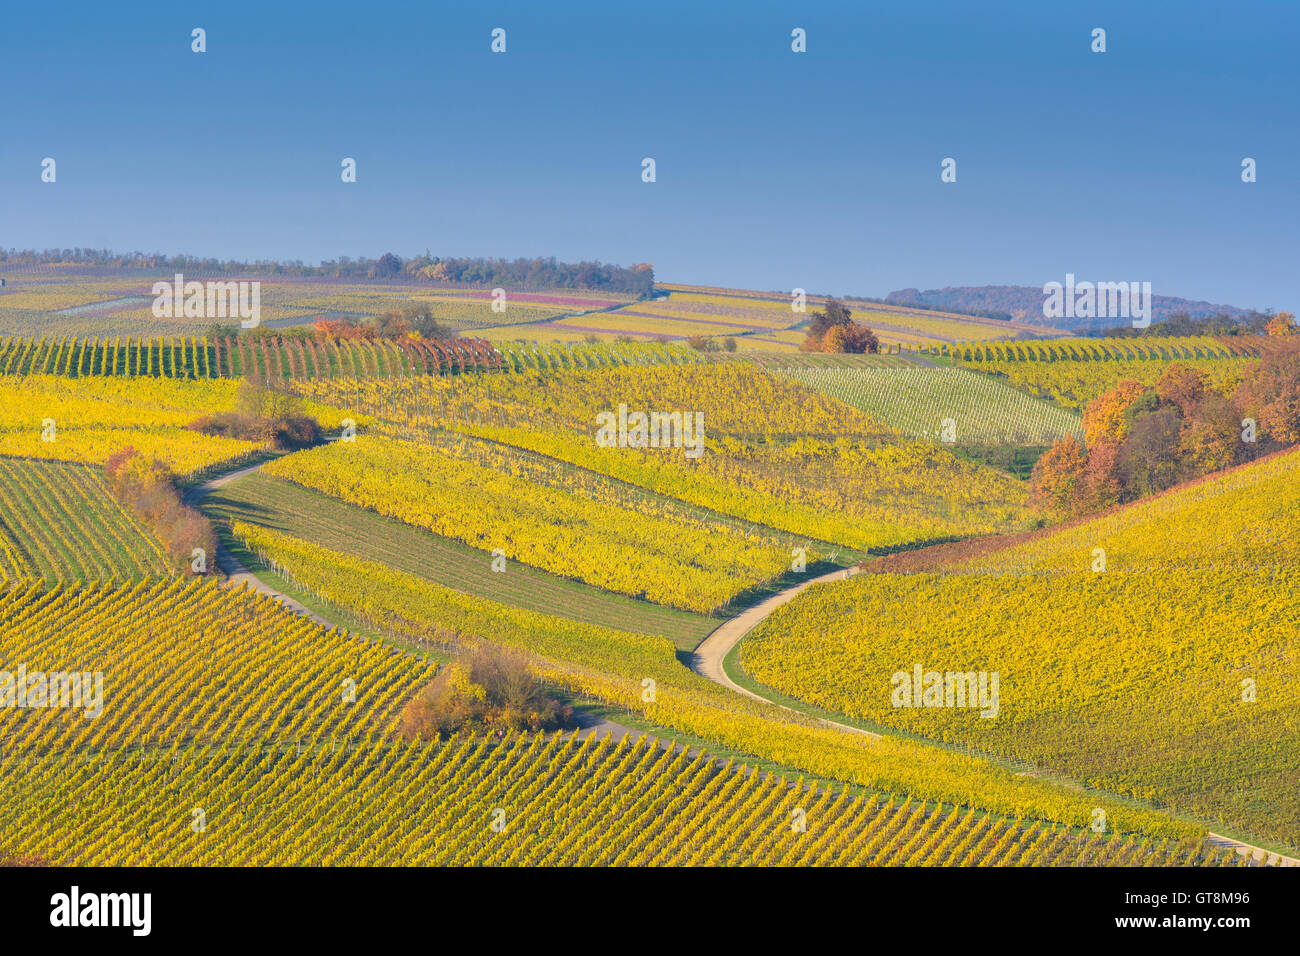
(1141, 439)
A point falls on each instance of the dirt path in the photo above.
(708, 657)
(230, 566)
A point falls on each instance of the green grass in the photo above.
(283, 506)
(59, 522)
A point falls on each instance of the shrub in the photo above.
(147, 489)
(485, 690)
(263, 415)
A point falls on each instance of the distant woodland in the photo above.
(538, 273)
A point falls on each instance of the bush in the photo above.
(485, 690)
(263, 415)
(147, 489)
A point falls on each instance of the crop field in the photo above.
(476, 507)
(614, 666)
(153, 635)
(603, 542)
(918, 402)
(1168, 673)
(1157, 348)
(60, 419)
(276, 357)
(824, 360)
(760, 321)
(1072, 384)
(1072, 372)
(617, 563)
(560, 801)
(58, 523)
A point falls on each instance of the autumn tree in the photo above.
(1149, 459)
(1271, 392)
(386, 266)
(1211, 437)
(1100, 482)
(1282, 324)
(485, 689)
(1104, 418)
(1183, 386)
(833, 330)
(1056, 475)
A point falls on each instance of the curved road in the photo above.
(708, 657)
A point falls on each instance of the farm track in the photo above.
(706, 661)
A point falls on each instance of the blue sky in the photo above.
(775, 169)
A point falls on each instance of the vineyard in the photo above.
(498, 503)
(1072, 372)
(281, 505)
(613, 665)
(780, 362)
(1074, 384)
(122, 303)
(1155, 349)
(298, 357)
(918, 401)
(858, 483)
(58, 522)
(54, 418)
(1167, 674)
(473, 505)
(247, 667)
(525, 801)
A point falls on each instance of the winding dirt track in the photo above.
(706, 661)
(711, 652)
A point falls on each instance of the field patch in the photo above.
(1151, 652)
(919, 401)
(58, 522)
(279, 504)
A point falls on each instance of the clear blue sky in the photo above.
(775, 170)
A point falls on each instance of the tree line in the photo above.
(1140, 440)
(535, 273)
